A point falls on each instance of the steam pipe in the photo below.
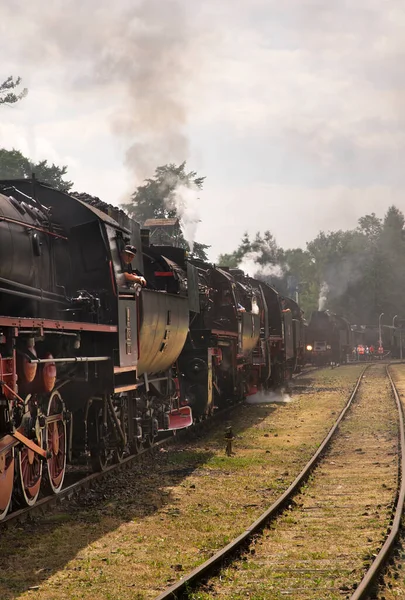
(75, 359)
(30, 296)
(29, 288)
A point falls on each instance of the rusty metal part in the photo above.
(213, 564)
(7, 461)
(363, 590)
(19, 437)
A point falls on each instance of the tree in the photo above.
(7, 93)
(169, 194)
(14, 165)
(154, 199)
(362, 269)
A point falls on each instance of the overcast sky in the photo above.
(293, 110)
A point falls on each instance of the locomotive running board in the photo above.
(179, 418)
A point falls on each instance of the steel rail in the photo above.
(181, 587)
(369, 579)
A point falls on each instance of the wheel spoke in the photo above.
(56, 443)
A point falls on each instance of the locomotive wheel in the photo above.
(149, 440)
(29, 468)
(136, 446)
(152, 433)
(101, 456)
(6, 480)
(118, 456)
(99, 461)
(56, 442)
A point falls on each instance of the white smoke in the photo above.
(250, 265)
(184, 199)
(269, 397)
(323, 296)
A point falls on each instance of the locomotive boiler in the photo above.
(86, 359)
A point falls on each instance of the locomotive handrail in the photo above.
(73, 359)
(23, 286)
(28, 226)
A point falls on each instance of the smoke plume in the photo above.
(250, 265)
(323, 296)
(138, 56)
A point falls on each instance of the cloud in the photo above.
(294, 214)
(293, 110)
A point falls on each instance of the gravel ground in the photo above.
(321, 546)
(140, 531)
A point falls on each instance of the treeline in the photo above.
(358, 273)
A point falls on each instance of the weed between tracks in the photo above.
(145, 527)
(320, 547)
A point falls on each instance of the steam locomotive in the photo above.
(329, 338)
(93, 363)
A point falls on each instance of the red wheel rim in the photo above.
(6, 480)
(56, 442)
(30, 466)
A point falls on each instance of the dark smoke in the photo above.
(140, 56)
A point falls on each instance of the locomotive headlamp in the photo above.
(309, 347)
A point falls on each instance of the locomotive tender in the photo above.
(93, 365)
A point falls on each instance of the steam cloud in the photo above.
(252, 267)
(269, 397)
(338, 277)
(185, 199)
(323, 296)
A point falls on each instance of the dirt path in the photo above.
(145, 527)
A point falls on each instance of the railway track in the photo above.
(88, 480)
(228, 555)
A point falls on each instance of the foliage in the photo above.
(157, 199)
(8, 93)
(14, 165)
(363, 268)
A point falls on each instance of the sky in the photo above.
(294, 110)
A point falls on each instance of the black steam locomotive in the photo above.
(99, 353)
(329, 338)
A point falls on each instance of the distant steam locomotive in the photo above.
(328, 338)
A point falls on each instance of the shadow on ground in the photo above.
(34, 551)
